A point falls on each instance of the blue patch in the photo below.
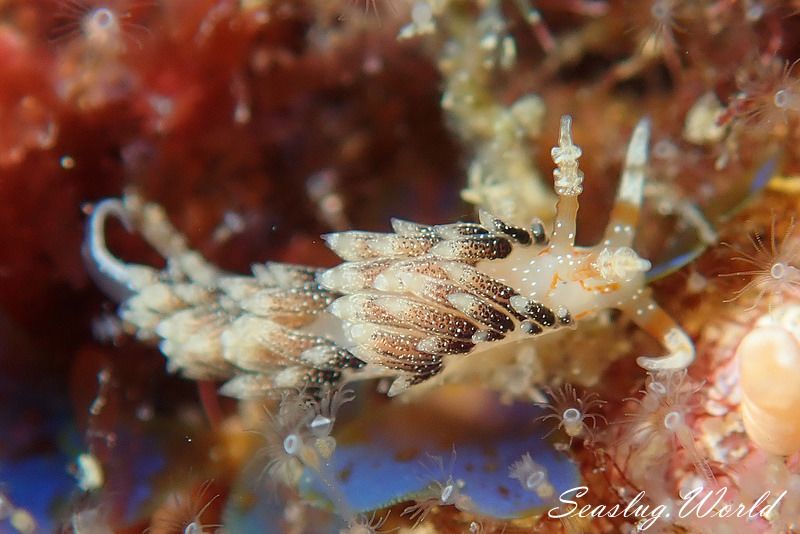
(38, 484)
(684, 249)
(379, 472)
(764, 175)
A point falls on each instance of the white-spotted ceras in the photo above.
(402, 304)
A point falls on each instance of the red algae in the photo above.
(260, 125)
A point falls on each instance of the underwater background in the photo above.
(253, 127)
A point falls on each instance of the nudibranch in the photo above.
(405, 304)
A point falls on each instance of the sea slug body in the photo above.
(420, 295)
(402, 304)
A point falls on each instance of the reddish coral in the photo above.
(260, 127)
(224, 115)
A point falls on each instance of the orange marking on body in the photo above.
(658, 323)
(585, 272)
(554, 281)
(602, 288)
